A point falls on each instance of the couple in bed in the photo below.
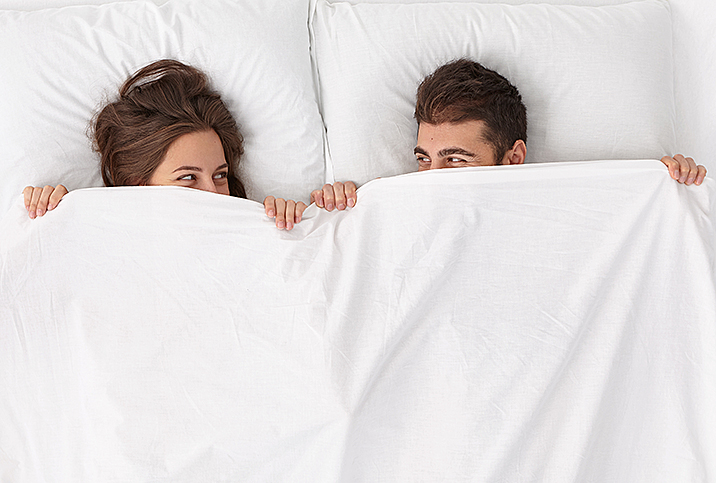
(169, 128)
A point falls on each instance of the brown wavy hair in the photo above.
(157, 105)
(465, 90)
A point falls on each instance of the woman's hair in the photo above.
(157, 105)
(464, 90)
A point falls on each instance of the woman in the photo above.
(168, 128)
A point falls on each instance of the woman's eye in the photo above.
(188, 177)
(221, 175)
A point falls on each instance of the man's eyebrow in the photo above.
(419, 150)
(454, 150)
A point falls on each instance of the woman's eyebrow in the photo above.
(187, 168)
(225, 165)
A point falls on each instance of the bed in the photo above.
(554, 321)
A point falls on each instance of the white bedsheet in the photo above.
(533, 323)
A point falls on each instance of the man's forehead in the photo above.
(470, 128)
(458, 134)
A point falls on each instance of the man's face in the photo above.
(454, 145)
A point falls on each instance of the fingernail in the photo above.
(33, 214)
(289, 225)
(271, 214)
(329, 207)
(351, 203)
(341, 206)
(281, 225)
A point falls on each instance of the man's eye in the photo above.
(423, 160)
(456, 160)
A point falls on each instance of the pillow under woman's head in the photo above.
(59, 66)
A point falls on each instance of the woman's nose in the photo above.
(207, 185)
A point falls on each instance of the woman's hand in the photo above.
(337, 195)
(286, 212)
(684, 170)
(38, 201)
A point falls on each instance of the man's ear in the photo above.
(517, 154)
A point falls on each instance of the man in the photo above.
(469, 115)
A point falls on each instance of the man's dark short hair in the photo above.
(464, 90)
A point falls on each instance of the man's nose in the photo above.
(436, 164)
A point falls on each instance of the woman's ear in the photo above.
(517, 154)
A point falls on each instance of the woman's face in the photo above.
(194, 160)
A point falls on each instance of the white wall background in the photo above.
(694, 59)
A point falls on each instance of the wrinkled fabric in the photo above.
(550, 322)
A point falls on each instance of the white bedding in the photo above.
(551, 322)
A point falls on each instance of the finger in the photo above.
(693, 171)
(683, 167)
(672, 165)
(44, 199)
(350, 190)
(290, 213)
(280, 213)
(56, 197)
(317, 198)
(27, 195)
(270, 206)
(339, 195)
(328, 199)
(700, 177)
(34, 200)
(300, 207)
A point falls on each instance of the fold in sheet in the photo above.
(521, 323)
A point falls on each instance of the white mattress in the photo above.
(526, 323)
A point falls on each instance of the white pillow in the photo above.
(597, 81)
(60, 65)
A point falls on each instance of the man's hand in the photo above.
(337, 195)
(38, 201)
(286, 212)
(684, 170)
